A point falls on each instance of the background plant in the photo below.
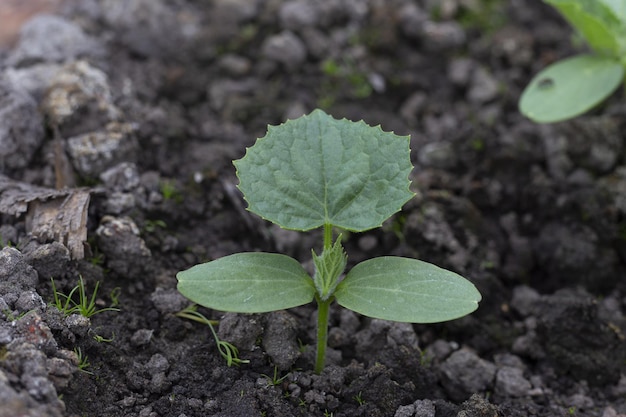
(85, 306)
(572, 86)
(315, 172)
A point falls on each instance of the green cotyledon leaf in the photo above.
(597, 21)
(570, 87)
(317, 170)
(252, 282)
(406, 290)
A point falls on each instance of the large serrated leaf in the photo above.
(406, 290)
(318, 170)
(253, 282)
(570, 87)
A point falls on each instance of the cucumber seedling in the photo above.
(320, 172)
(570, 87)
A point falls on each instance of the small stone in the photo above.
(21, 127)
(51, 260)
(465, 373)
(93, 153)
(50, 38)
(157, 364)
(126, 252)
(279, 339)
(285, 48)
(141, 337)
(30, 301)
(15, 273)
(121, 177)
(297, 14)
(168, 301)
(79, 100)
(483, 86)
(443, 35)
(510, 382)
(524, 299)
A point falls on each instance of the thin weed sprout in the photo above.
(86, 306)
(228, 351)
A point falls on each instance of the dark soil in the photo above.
(145, 104)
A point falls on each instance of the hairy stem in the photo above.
(328, 236)
(322, 333)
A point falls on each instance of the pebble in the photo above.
(141, 24)
(285, 48)
(15, 272)
(79, 99)
(121, 177)
(280, 339)
(420, 408)
(141, 337)
(50, 38)
(126, 252)
(483, 86)
(296, 14)
(50, 260)
(168, 301)
(21, 127)
(93, 153)
(465, 373)
(510, 382)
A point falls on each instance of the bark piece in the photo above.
(57, 215)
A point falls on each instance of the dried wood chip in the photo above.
(58, 215)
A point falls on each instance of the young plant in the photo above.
(85, 306)
(570, 87)
(315, 172)
(228, 351)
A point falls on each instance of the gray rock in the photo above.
(157, 364)
(296, 14)
(30, 301)
(168, 301)
(442, 35)
(412, 20)
(79, 100)
(21, 127)
(140, 25)
(126, 252)
(524, 299)
(483, 86)
(34, 79)
(285, 48)
(420, 408)
(279, 339)
(92, 153)
(141, 337)
(8, 235)
(460, 71)
(60, 371)
(78, 324)
(465, 373)
(49, 38)
(33, 330)
(235, 65)
(50, 260)
(121, 177)
(34, 391)
(15, 273)
(118, 203)
(510, 382)
(438, 155)
(242, 330)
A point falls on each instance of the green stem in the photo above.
(328, 236)
(322, 333)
